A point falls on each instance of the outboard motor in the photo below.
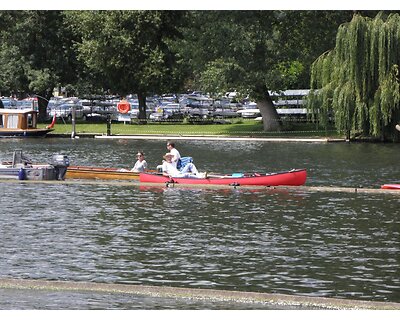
(60, 163)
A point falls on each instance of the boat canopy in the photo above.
(18, 119)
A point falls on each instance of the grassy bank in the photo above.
(240, 128)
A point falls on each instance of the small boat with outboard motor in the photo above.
(22, 168)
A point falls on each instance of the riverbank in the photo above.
(194, 137)
(211, 138)
(245, 129)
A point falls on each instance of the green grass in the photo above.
(237, 128)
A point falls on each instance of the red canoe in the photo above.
(295, 177)
(391, 186)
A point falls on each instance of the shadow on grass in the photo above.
(249, 128)
(289, 129)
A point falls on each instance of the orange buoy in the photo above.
(123, 106)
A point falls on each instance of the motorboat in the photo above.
(22, 168)
(21, 123)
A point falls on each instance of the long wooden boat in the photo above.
(86, 172)
(295, 177)
(392, 186)
(21, 123)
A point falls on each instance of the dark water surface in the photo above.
(305, 243)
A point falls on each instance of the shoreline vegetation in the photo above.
(244, 128)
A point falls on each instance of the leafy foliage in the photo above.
(358, 81)
(127, 50)
(252, 52)
(35, 54)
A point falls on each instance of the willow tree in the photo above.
(358, 81)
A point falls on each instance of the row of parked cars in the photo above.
(158, 109)
(11, 103)
(194, 107)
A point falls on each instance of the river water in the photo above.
(324, 244)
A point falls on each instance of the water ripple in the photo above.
(319, 244)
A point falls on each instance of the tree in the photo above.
(129, 50)
(35, 54)
(358, 80)
(256, 51)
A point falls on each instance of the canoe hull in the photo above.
(288, 178)
(82, 172)
(391, 186)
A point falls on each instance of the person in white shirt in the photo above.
(175, 153)
(141, 164)
(188, 171)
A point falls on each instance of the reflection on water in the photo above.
(304, 243)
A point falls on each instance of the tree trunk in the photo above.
(142, 117)
(271, 119)
(42, 104)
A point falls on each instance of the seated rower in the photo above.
(188, 171)
(141, 164)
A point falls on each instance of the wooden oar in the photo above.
(398, 127)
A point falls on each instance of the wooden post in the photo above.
(73, 122)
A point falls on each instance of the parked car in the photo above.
(28, 104)
(249, 110)
(9, 103)
(169, 112)
(98, 110)
(134, 113)
(199, 113)
(249, 113)
(225, 112)
(64, 110)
